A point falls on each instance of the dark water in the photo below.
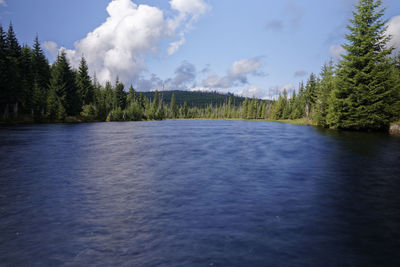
(198, 193)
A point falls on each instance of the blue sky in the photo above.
(248, 47)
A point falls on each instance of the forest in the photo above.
(360, 92)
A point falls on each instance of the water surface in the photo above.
(197, 193)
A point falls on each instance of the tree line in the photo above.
(32, 88)
(361, 92)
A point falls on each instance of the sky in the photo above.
(250, 48)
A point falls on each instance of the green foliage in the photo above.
(174, 107)
(89, 113)
(63, 83)
(361, 93)
(324, 90)
(363, 97)
(120, 95)
(84, 84)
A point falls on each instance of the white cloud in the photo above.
(184, 79)
(336, 51)
(189, 12)
(51, 47)
(194, 8)
(120, 45)
(174, 46)
(275, 91)
(254, 91)
(237, 74)
(244, 67)
(394, 30)
(3, 3)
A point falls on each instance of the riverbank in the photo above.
(394, 127)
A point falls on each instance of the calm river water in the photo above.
(197, 193)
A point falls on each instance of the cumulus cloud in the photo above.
(3, 3)
(254, 91)
(336, 51)
(51, 47)
(275, 91)
(300, 73)
(119, 46)
(184, 79)
(189, 12)
(237, 74)
(393, 29)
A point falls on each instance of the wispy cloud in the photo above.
(3, 3)
(300, 73)
(275, 24)
(292, 17)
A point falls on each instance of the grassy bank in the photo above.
(302, 121)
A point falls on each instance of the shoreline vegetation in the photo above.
(393, 130)
(359, 93)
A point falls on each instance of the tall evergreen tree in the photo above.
(324, 90)
(363, 97)
(4, 90)
(14, 93)
(63, 83)
(27, 78)
(174, 108)
(84, 84)
(40, 66)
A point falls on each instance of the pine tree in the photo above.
(84, 84)
(4, 92)
(27, 78)
(40, 66)
(363, 96)
(324, 90)
(14, 93)
(63, 84)
(245, 107)
(311, 92)
(131, 98)
(185, 110)
(173, 107)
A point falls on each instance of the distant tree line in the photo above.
(31, 88)
(362, 92)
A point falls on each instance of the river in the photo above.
(197, 193)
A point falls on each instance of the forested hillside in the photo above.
(198, 99)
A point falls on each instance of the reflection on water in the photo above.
(198, 193)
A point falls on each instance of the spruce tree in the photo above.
(14, 93)
(63, 84)
(84, 84)
(363, 96)
(27, 79)
(324, 90)
(40, 66)
(174, 108)
(4, 90)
